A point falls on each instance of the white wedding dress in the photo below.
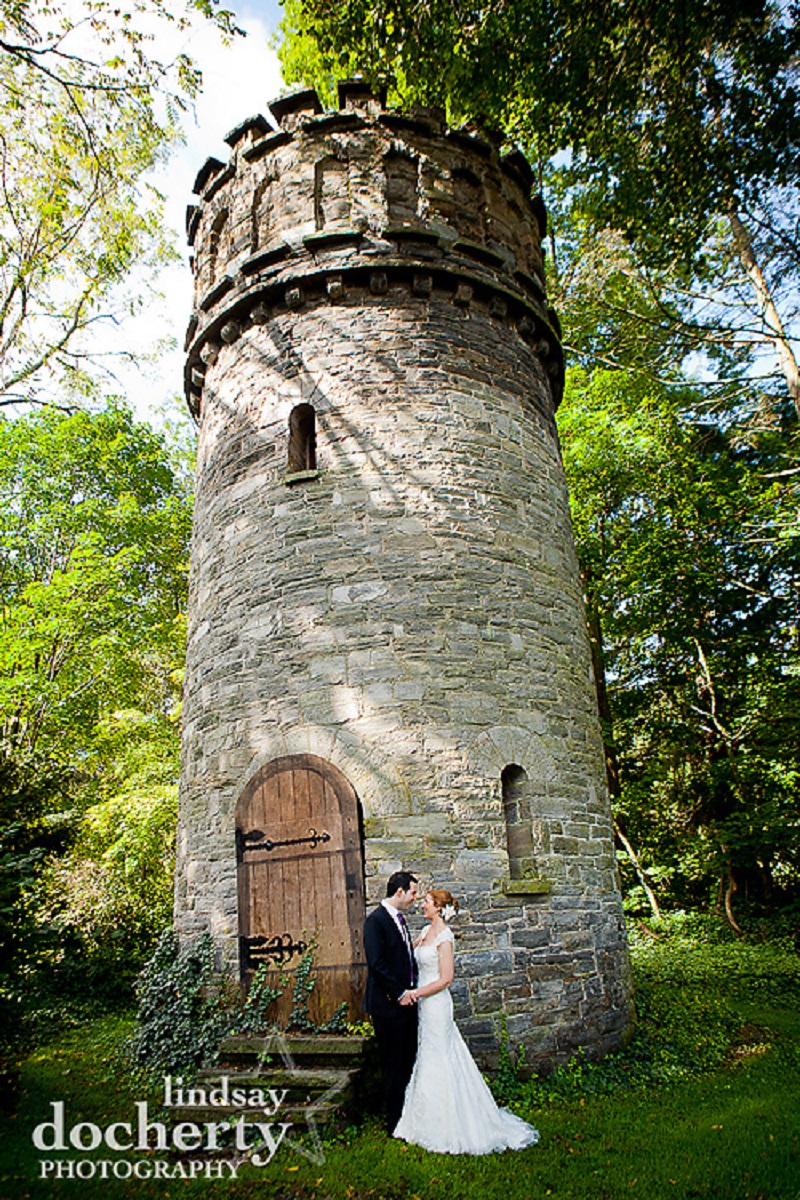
(448, 1107)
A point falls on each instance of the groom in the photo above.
(391, 973)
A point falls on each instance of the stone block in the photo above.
(335, 705)
(359, 593)
(409, 689)
(374, 828)
(531, 939)
(418, 825)
(484, 964)
(480, 864)
(388, 866)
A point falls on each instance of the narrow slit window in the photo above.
(302, 439)
(517, 813)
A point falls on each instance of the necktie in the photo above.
(407, 940)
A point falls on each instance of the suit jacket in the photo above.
(389, 972)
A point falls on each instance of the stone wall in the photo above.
(406, 604)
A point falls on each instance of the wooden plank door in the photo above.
(300, 876)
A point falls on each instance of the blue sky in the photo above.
(238, 81)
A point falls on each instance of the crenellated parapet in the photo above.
(329, 208)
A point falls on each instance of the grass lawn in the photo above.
(705, 1103)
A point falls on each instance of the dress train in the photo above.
(448, 1107)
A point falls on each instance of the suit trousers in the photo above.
(397, 1047)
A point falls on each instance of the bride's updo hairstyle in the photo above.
(441, 898)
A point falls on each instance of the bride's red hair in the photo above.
(441, 896)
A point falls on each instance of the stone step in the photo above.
(307, 1066)
(306, 1050)
(294, 1114)
(294, 1079)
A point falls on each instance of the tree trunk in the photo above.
(769, 313)
(637, 866)
(730, 886)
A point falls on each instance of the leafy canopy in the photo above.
(93, 532)
(94, 525)
(688, 561)
(667, 110)
(87, 107)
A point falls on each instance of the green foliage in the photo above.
(302, 57)
(94, 526)
(106, 901)
(185, 1011)
(301, 992)
(302, 989)
(338, 1022)
(252, 1016)
(508, 1076)
(93, 539)
(27, 835)
(181, 1017)
(91, 97)
(697, 952)
(687, 564)
(110, 896)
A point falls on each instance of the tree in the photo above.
(87, 109)
(98, 905)
(691, 589)
(93, 531)
(27, 790)
(666, 323)
(655, 121)
(94, 527)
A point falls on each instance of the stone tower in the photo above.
(387, 660)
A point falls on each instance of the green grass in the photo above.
(704, 1103)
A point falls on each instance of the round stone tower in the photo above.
(388, 664)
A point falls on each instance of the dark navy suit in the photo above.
(390, 973)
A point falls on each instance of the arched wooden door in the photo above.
(300, 875)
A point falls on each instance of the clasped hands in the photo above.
(407, 998)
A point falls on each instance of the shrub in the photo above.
(184, 1011)
(181, 1018)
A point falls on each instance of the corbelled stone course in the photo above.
(407, 605)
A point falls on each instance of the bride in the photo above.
(448, 1107)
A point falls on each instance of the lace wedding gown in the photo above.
(448, 1107)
